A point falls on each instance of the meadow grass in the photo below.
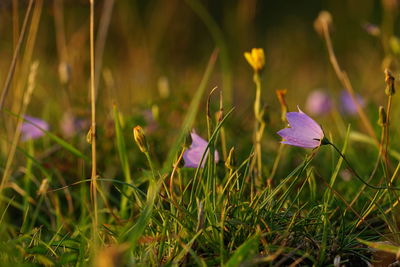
(251, 200)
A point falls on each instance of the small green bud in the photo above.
(382, 116)
(389, 80)
(140, 138)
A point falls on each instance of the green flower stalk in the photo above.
(256, 59)
(390, 91)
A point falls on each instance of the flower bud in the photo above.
(382, 116)
(389, 80)
(140, 138)
(256, 59)
(323, 22)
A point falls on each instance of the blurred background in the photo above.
(152, 55)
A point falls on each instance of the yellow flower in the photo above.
(140, 138)
(256, 58)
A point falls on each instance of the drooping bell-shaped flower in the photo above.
(348, 105)
(192, 156)
(303, 131)
(33, 128)
(71, 125)
(318, 103)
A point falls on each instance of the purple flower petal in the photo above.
(192, 156)
(70, 125)
(295, 137)
(348, 105)
(33, 128)
(197, 141)
(307, 125)
(318, 103)
(303, 131)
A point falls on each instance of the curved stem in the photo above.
(375, 167)
(327, 142)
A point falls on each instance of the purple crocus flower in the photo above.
(33, 128)
(193, 154)
(318, 103)
(347, 104)
(303, 131)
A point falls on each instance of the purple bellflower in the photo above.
(71, 125)
(318, 103)
(150, 119)
(348, 105)
(303, 131)
(194, 153)
(33, 128)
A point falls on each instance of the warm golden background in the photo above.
(152, 40)
(146, 47)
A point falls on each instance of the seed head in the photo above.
(323, 22)
(382, 116)
(389, 80)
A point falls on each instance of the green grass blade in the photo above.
(191, 114)
(132, 234)
(244, 252)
